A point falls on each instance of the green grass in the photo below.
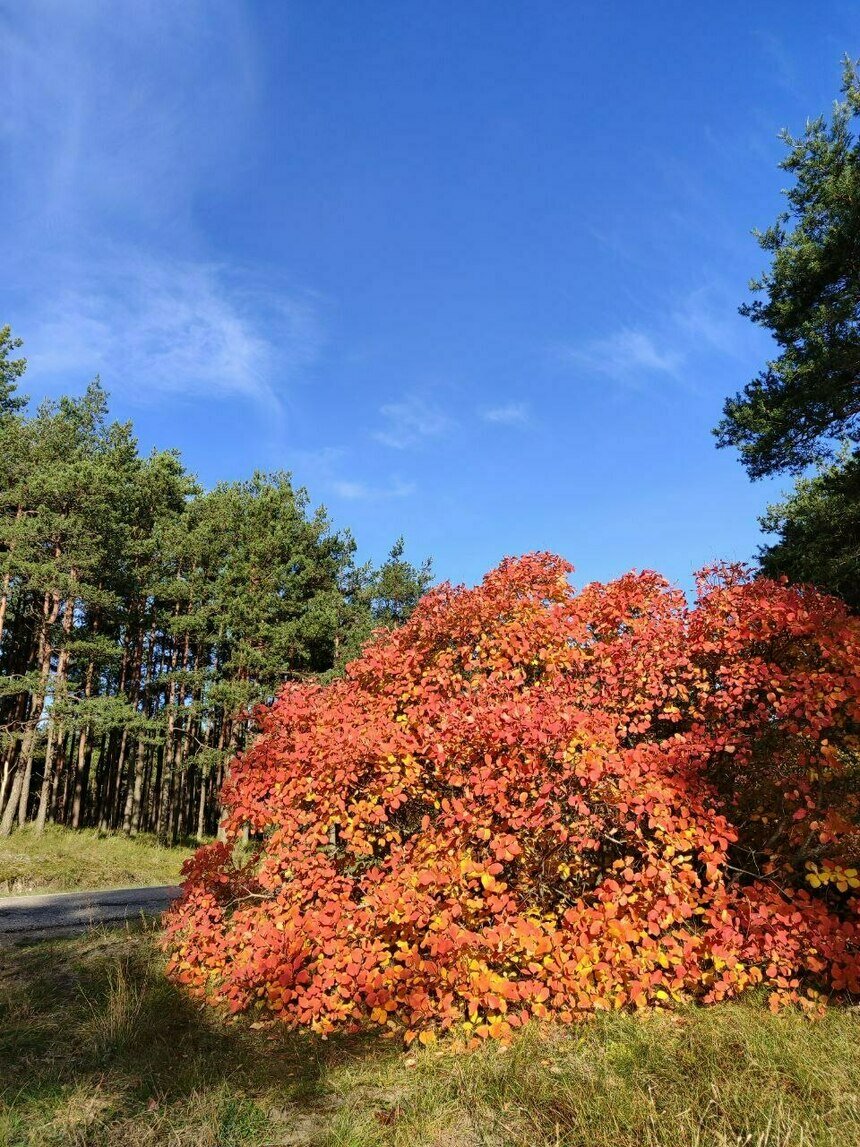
(97, 1049)
(62, 859)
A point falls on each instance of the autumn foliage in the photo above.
(532, 802)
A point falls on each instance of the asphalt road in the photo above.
(63, 913)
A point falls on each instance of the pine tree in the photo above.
(803, 408)
(143, 619)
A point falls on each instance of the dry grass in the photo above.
(96, 1048)
(62, 859)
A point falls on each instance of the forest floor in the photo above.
(62, 859)
(96, 1048)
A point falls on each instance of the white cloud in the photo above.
(361, 491)
(151, 326)
(778, 59)
(627, 354)
(114, 112)
(118, 129)
(711, 316)
(409, 422)
(512, 414)
(324, 469)
(354, 491)
(671, 346)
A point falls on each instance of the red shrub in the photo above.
(531, 802)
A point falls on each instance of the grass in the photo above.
(62, 859)
(97, 1049)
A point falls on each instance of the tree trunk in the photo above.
(82, 777)
(61, 774)
(82, 766)
(113, 817)
(4, 784)
(202, 802)
(175, 696)
(12, 803)
(135, 791)
(7, 581)
(59, 680)
(20, 794)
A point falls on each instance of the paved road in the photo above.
(60, 913)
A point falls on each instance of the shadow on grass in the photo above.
(92, 1036)
(96, 1048)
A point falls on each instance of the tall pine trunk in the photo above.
(7, 581)
(59, 681)
(20, 793)
(135, 792)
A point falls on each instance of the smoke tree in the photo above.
(530, 801)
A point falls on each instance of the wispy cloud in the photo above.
(107, 114)
(156, 326)
(670, 346)
(110, 108)
(511, 414)
(627, 355)
(410, 422)
(329, 468)
(362, 491)
(708, 315)
(778, 58)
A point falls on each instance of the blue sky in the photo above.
(470, 271)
